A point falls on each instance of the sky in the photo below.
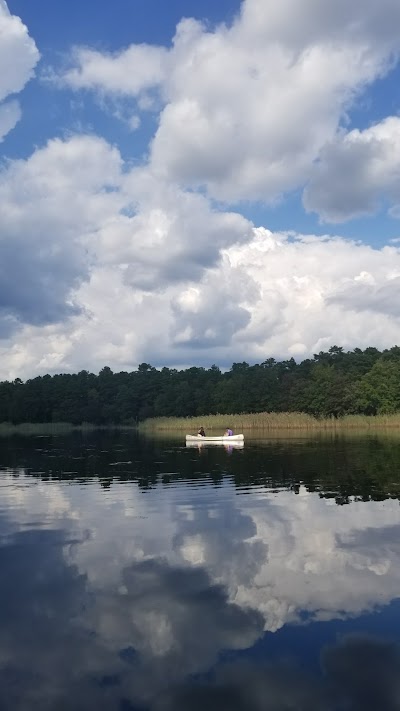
(190, 182)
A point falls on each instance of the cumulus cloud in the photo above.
(246, 111)
(168, 235)
(18, 58)
(74, 212)
(10, 114)
(247, 108)
(129, 71)
(366, 296)
(275, 295)
(209, 314)
(52, 204)
(301, 24)
(356, 172)
(302, 281)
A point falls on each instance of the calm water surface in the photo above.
(144, 575)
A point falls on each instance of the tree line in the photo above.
(332, 383)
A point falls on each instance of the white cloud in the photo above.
(167, 235)
(10, 114)
(129, 71)
(72, 212)
(209, 314)
(84, 232)
(18, 58)
(248, 108)
(276, 295)
(302, 280)
(356, 172)
(300, 24)
(52, 205)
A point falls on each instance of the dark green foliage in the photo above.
(331, 384)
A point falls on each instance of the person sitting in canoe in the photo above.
(201, 432)
(228, 432)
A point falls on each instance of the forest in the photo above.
(331, 384)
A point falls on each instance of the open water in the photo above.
(144, 575)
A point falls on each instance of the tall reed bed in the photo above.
(216, 424)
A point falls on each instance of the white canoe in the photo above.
(222, 438)
(198, 443)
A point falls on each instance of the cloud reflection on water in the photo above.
(158, 600)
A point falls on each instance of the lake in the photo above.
(140, 574)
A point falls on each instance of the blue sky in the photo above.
(111, 27)
(230, 179)
(57, 26)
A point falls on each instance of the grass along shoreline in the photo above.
(39, 428)
(262, 421)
